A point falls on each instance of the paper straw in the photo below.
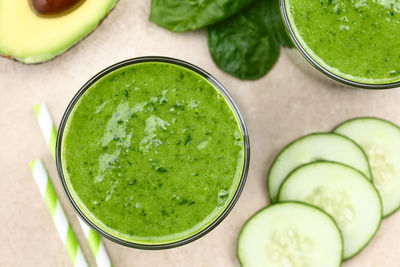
(96, 246)
(50, 134)
(46, 126)
(57, 213)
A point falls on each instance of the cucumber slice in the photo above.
(313, 147)
(380, 139)
(290, 234)
(344, 193)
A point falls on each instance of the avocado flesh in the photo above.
(29, 38)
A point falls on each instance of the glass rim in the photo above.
(319, 67)
(239, 118)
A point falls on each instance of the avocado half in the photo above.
(29, 38)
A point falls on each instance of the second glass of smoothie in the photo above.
(354, 42)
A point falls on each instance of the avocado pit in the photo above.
(54, 7)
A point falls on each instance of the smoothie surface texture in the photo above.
(358, 40)
(152, 153)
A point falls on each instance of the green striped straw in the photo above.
(46, 126)
(57, 213)
(50, 134)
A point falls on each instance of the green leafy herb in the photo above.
(188, 139)
(132, 182)
(278, 27)
(246, 45)
(181, 16)
(161, 169)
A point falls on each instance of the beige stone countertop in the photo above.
(278, 108)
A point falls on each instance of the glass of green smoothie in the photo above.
(152, 152)
(353, 42)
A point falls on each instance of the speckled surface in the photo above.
(278, 108)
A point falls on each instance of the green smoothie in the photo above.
(152, 153)
(357, 40)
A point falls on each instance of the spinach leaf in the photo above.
(187, 15)
(280, 31)
(246, 45)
